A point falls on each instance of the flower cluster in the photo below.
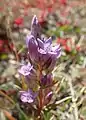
(38, 72)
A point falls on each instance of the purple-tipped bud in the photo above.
(46, 80)
(35, 28)
(34, 20)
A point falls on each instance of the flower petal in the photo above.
(41, 51)
(56, 48)
(32, 48)
(24, 97)
(49, 40)
(40, 43)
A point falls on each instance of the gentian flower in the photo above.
(40, 50)
(49, 54)
(27, 96)
(43, 56)
(25, 69)
(29, 73)
(49, 49)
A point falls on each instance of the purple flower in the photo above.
(30, 75)
(25, 69)
(43, 52)
(49, 54)
(40, 50)
(27, 96)
(49, 49)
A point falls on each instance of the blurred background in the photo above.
(65, 21)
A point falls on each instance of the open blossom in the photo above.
(48, 48)
(29, 73)
(25, 69)
(27, 96)
(50, 54)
